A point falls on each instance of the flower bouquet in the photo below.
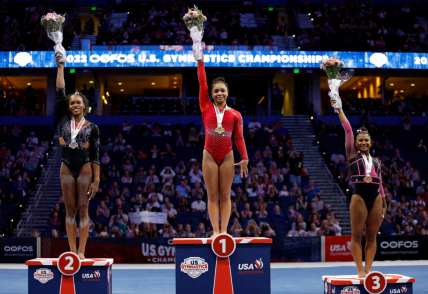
(194, 20)
(53, 22)
(332, 67)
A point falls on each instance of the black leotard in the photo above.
(74, 159)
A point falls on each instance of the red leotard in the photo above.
(219, 145)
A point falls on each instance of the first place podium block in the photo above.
(376, 283)
(69, 275)
(224, 265)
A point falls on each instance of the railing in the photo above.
(37, 195)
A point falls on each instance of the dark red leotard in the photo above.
(219, 145)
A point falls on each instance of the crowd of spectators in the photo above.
(156, 168)
(22, 153)
(404, 176)
(21, 102)
(415, 106)
(310, 25)
(362, 26)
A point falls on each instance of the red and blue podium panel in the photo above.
(373, 283)
(224, 265)
(69, 275)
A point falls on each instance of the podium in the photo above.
(223, 265)
(69, 275)
(374, 283)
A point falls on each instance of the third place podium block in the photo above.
(69, 275)
(223, 265)
(374, 283)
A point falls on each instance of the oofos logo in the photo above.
(18, 248)
(400, 244)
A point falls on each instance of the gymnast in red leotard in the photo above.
(220, 123)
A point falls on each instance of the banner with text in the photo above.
(337, 248)
(145, 250)
(402, 247)
(181, 56)
(148, 217)
(17, 249)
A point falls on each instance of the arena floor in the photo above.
(293, 278)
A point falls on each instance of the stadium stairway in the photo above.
(40, 205)
(302, 133)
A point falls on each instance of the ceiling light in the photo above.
(391, 84)
(119, 83)
(401, 91)
(28, 84)
(122, 90)
(412, 85)
(153, 84)
(91, 82)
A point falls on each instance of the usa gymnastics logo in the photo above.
(194, 267)
(43, 275)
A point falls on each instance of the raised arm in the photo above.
(349, 135)
(60, 81)
(204, 100)
(60, 103)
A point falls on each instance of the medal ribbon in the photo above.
(76, 129)
(220, 114)
(368, 164)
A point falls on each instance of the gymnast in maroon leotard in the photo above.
(221, 123)
(368, 204)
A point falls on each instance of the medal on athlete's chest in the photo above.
(367, 179)
(74, 130)
(219, 130)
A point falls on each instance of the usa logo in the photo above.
(350, 290)
(255, 267)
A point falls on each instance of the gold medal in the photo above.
(367, 179)
(219, 130)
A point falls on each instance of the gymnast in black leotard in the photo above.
(80, 168)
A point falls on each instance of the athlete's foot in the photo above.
(81, 255)
(215, 234)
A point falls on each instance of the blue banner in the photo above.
(16, 250)
(181, 56)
